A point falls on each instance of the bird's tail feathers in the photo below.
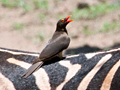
(32, 69)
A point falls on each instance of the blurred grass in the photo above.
(18, 26)
(42, 16)
(41, 36)
(10, 3)
(94, 11)
(107, 27)
(87, 13)
(26, 6)
(86, 30)
(40, 4)
(37, 4)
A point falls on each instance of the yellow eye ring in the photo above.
(62, 20)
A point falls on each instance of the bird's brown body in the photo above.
(62, 42)
(59, 41)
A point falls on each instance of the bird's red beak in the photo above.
(68, 18)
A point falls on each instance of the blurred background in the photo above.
(28, 24)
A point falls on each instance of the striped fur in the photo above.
(91, 71)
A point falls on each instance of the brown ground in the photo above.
(26, 39)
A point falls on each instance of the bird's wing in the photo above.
(55, 46)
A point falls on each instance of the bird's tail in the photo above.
(32, 69)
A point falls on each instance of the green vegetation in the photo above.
(16, 3)
(42, 16)
(94, 11)
(86, 30)
(87, 13)
(26, 6)
(10, 3)
(41, 4)
(41, 36)
(109, 26)
(38, 4)
(18, 26)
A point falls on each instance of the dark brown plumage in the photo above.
(59, 41)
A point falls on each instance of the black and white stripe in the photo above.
(92, 71)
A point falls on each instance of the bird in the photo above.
(55, 46)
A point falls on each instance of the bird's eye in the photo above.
(62, 20)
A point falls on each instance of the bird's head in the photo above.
(63, 22)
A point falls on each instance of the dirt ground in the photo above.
(27, 37)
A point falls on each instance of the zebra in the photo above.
(85, 71)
